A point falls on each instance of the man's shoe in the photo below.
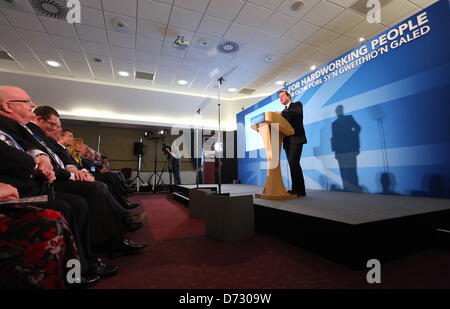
(127, 247)
(129, 205)
(137, 218)
(87, 281)
(133, 244)
(97, 267)
(297, 193)
(133, 227)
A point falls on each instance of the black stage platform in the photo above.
(350, 228)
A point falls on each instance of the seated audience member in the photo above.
(81, 154)
(45, 115)
(75, 150)
(23, 172)
(35, 245)
(105, 164)
(106, 227)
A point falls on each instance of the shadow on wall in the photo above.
(436, 185)
(345, 145)
(388, 183)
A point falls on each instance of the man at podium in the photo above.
(293, 145)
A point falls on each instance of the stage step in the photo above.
(181, 197)
(443, 237)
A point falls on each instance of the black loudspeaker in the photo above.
(138, 148)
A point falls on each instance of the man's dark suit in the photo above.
(293, 145)
(17, 168)
(105, 225)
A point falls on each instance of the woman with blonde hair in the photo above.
(76, 150)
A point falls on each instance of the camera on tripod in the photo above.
(166, 149)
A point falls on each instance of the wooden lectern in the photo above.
(272, 125)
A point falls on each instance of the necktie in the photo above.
(53, 155)
(9, 140)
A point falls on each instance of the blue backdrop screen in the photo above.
(376, 118)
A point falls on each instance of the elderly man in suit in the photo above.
(106, 227)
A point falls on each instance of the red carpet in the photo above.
(180, 256)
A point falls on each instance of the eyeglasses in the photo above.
(52, 124)
(20, 101)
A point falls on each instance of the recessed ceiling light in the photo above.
(279, 82)
(269, 58)
(313, 68)
(232, 89)
(204, 43)
(297, 5)
(119, 24)
(182, 82)
(123, 73)
(362, 39)
(53, 63)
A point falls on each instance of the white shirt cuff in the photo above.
(36, 152)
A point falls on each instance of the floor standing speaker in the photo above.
(138, 148)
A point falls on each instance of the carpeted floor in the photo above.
(180, 256)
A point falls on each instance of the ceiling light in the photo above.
(232, 89)
(119, 24)
(279, 82)
(124, 74)
(269, 59)
(182, 82)
(362, 39)
(204, 43)
(313, 68)
(297, 5)
(53, 63)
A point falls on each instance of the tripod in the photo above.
(138, 171)
(156, 176)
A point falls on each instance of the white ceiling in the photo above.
(315, 34)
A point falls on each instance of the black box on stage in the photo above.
(138, 148)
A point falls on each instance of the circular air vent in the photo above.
(228, 47)
(51, 8)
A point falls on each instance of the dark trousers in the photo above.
(293, 154)
(114, 185)
(105, 226)
(176, 166)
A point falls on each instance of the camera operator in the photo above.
(175, 156)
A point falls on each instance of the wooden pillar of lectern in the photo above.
(273, 126)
